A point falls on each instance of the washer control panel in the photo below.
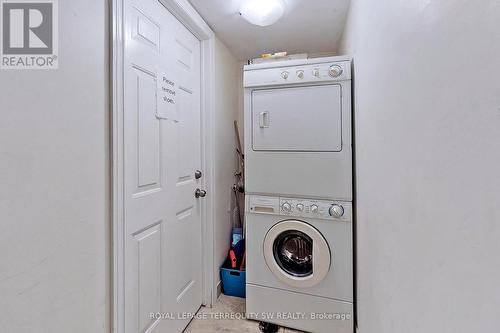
(319, 209)
(298, 207)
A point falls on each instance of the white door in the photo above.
(298, 118)
(161, 154)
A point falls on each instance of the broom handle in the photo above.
(238, 141)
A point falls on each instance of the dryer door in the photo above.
(297, 253)
(297, 119)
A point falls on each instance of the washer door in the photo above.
(297, 253)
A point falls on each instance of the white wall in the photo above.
(227, 84)
(54, 180)
(427, 121)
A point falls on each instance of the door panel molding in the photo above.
(188, 16)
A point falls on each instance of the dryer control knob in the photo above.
(336, 211)
(286, 207)
(314, 209)
(335, 71)
(284, 75)
(300, 207)
(300, 74)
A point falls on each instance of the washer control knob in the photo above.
(300, 74)
(335, 71)
(316, 72)
(284, 75)
(300, 207)
(286, 207)
(336, 211)
(314, 209)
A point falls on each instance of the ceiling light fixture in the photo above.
(262, 12)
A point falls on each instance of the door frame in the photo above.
(188, 16)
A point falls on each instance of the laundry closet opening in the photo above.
(207, 142)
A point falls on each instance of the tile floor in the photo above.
(225, 305)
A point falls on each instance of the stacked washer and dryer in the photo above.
(298, 158)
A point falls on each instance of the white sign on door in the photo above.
(166, 94)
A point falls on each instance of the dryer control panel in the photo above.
(298, 207)
(305, 73)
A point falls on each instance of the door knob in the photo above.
(200, 193)
(197, 174)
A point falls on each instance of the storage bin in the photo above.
(233, 282)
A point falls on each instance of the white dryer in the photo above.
(298, 128)
(299, 263)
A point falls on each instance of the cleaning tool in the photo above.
(232, 258)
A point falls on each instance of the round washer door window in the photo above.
(297, 253)
(293, 251)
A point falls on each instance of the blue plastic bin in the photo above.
(233, 282)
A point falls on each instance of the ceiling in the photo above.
(308, 26)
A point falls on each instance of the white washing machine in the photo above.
(299, 263)
(298, 128)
